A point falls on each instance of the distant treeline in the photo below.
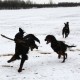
(17, 4)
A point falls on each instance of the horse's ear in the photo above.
(21, 30)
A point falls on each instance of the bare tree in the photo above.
(29, 2)
(50, 2)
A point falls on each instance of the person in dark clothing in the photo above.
(66, 30)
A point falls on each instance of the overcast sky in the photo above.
(54, 1)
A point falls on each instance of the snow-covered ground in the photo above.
(43, 63)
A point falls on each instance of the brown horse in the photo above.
(58, 46)
(66, 30)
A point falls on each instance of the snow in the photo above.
(43, 63)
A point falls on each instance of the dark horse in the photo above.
(22, 47)
(30, 38)
(58, 46)
(66, 30)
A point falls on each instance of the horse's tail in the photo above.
(70, 46)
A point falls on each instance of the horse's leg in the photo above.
(59, 56)
(66, 35)
(24, 57)
(34, 46)
(65, 55)
(63, 35)
(12, 59)
(63, 58)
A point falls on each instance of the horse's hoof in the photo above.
(20, 70)
(62, 61)
(8, 61)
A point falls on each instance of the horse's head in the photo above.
(50, 38)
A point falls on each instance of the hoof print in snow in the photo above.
(6, 66)
(45, 53)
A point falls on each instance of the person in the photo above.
(66, 30)
(20, 49)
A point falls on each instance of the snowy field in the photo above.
(43, 63)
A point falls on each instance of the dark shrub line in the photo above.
(24, 5)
